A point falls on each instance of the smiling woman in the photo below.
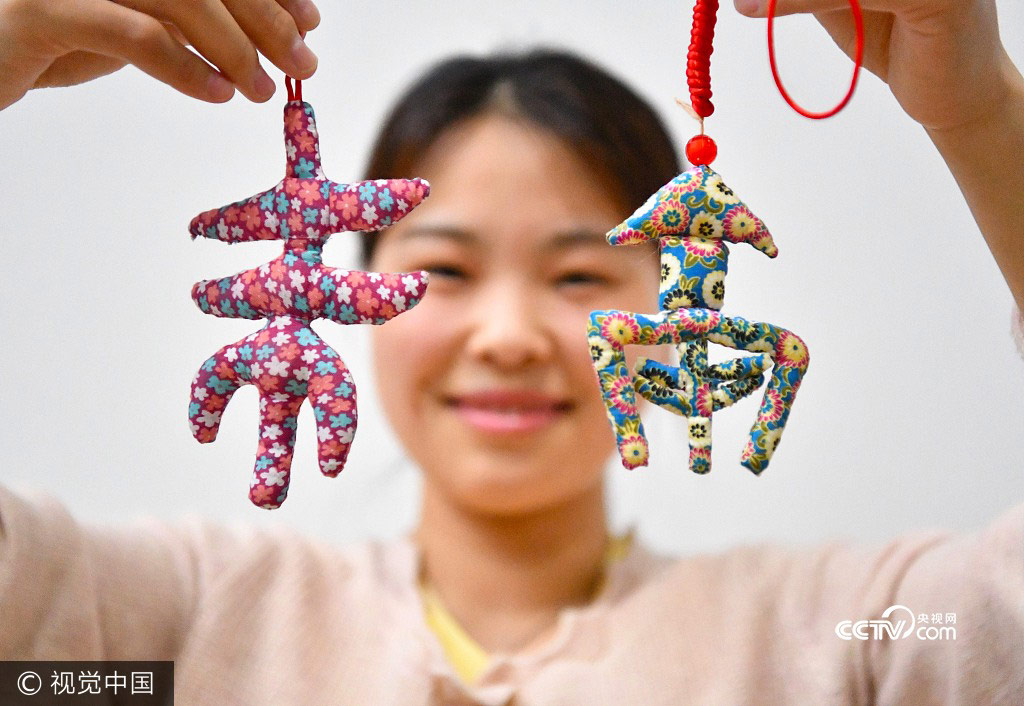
(501, 393)
(510, 590)
(532, 159)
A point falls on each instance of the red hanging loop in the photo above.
(858, 21)
(294, 91)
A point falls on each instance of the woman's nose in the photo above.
(509, 330)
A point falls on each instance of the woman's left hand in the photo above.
(942, 59)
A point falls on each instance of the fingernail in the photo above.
(305, 60)
(748, 7)
(219, 88)
(265, 85)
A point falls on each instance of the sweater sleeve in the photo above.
(966, 595)
(71, 591)
(963, 635)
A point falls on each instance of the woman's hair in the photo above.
(597, 116)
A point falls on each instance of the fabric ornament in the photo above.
(286, 360)
(692, 217)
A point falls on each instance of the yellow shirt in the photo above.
(464, 653)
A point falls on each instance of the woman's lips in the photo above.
(508, 411)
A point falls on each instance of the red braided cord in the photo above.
(698, 59)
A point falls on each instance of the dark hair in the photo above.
(594, 113)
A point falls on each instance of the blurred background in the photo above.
(911, 415)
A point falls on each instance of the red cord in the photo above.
(294, 92)
(858, 21)
(698, 59)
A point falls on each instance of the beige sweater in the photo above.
(270, 617)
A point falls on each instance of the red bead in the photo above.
(701, 149)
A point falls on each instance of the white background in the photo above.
(912, 414)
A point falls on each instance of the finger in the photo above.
(274, 32)
(759, 8)
(176, 33)
(78, 67)
(111, 30)
(840, 26)
(214, 33)
(304, 12)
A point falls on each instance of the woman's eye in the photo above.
(439, 270)
(574, 278)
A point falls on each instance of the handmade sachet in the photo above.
(286, 360)
(692, 217)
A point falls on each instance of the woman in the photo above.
(510, 591)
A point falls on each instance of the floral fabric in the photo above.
(286, 360)
(692, 217)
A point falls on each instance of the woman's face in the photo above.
(488, 382)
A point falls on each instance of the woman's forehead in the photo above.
(498, 184)
(495, 163)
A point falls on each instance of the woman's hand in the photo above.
(945, 64)
(65, 42)
(943, 59)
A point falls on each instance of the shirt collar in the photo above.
(581, 633)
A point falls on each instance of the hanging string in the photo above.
(294, 90)
(858, 22)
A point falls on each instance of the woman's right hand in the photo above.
(66, 42)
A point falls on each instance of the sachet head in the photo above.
(306, 205)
